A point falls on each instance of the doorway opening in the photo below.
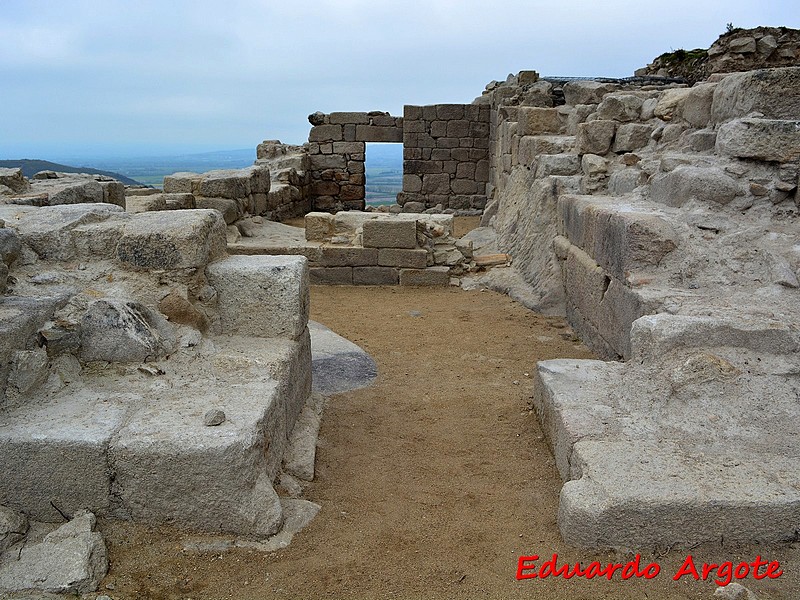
(384, 173)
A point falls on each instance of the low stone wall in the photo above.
(371, 249)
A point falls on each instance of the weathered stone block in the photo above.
(390, 233)
(375, 276)
(420, 167)
(35, 445)
(412, 183)
(227, 207)
(594, 137)
(671, 104)
(226, 184)
(534, 120)
(351, 192)
(436, 183)
(432, 276)
(349, 147)
(620, 107)
(172, 239)
(320, 162)
(372, 133)
(13, 178)
(463, 186)
(587, 92)
(531, 146)
(458, 128)
(397, 257)
(331, 275)
(319, 226)
(449, 112)
(762, 139)
(618, 239)
(557, 164)
(448, 142)
(632, 136)
(356, 118)
(326, 133)
(773, 92)
(349, 257)
(697, 106)
(709, 185)
(117, 331)
(262, 296)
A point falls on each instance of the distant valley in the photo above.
(384, 168)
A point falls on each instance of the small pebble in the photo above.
(214, 417)
(415, 313)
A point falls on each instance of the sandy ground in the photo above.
(433, 481)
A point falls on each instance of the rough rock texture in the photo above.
(70, 560)
(736, 50)
(671, 247)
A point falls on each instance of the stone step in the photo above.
(132, 443)
(638, 493)
(531, 146)
(621, 236)
(661, 450)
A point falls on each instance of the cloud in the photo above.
(230, 74)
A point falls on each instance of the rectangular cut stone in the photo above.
(58, 451)
(331, 275)
(341, 118)
(349, 257)
(349, 147)
(397, 257)
(319, 226)
(375, 276)
(326, 133)
(183, 183)
(534, 120)
(371, 133)
(390, 233)
(320, 162)
(262, 296)
(170, 468)
(172, 239)
(432, 276)
(449, 112)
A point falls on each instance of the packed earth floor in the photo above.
(433, 481)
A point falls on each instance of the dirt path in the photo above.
(433, 481)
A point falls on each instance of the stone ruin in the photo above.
(663, 221)
(147, 375)
(157, 365)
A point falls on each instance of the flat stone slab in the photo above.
(337, 364)
(638, 493)
(131, 442)
(683, 446)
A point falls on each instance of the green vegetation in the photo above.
(383, 185)
(681, 56)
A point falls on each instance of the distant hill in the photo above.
(31, 166)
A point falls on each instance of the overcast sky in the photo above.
(140, 77)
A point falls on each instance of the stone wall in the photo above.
(662, 220)
(337, 150)
(445, 156)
